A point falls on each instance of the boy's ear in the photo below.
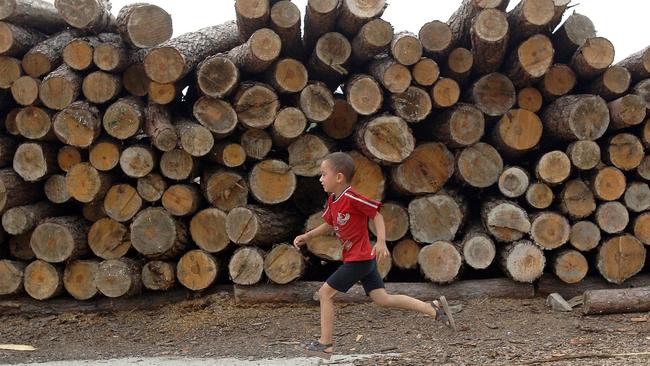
(340, 177)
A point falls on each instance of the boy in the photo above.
(347, 212)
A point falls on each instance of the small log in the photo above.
(517, 132)
(549, 230)
(326, 246)
(436, 39)
(523, 261)
(608, 183)
(112, 55)
(530, 17)
(570, 266)
(79, 124)
(224, 189)
(460, 126)
(642, 89)
(440, 262)
(355, 13)
(624, 151)
(144, 25)
(182, 199)
(137, 161)
(215, 114)
(425, 72)
(396, 221)
(272, 181)
(217, 76)
(78, 53)
(373, 39)
(320, 18)
(307, 153)
(549, 284)
(627, 111)
(119, 277)
(43, 280)
(445, 93)
(258, 53)
(55, 189)
(35, 123)
(288, 75)
(256, 105)
(364, 94)
(369, 178)
(505, 220)
(151, 187)
(284, 264)
(530, 99)
(637, 197)
(155, 233)
(576, 117)
(559, 80)
(10, 71)
(25, 90)
(135, 80)
(194, 139)
(576, 200)
(413, 105)
(22, 219)
(461, 20)
(426, 170)
(159, 275)
(251, 16)
(33, 14)
(572, 34)
(330, 59)
(79, 278)
(425, 214)
(68, 156)
(611, 84)
(553, 168)
(637, 64)
(89, 15)
(343, 120)
(93, 211)
(477, 247)
(513, 182)
(530, 61)
(256, 143)
(406, 48)
(47, 54)
(60, 88)
(109, 239)
(16, 40)
(122, 202)
(493, 94)
(197, 270)
(593, 57)
(87, 184)
(124, 118)
(633, 300)
(58, 239)
(12, 275)
(285, 21)
(208, 230)
(609, 263)
(394, 76)
(460, 62)
(641, 228)
(585, 235)
(405, 254)
(479, 165)
(35, 161)
(289, 124)
(20, 249)
(378, 138)
(228, 154)
(584, 154)
(100, 87)
(612, 217)
(105, 155)
(246, 266)
(258, 225)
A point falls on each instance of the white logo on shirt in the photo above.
(342, 219)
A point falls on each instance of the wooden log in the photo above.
(530, 61)
(378, 137)
(15, 192)
(79, 124)
(584, 154)
(285, 21)
(559, 80)
(553, 168)
(517, 132)
(612, 217)
(289, 124)
(208, 230)
(224, 189)
(364, 94)
(513, 182)
(68, 156)
(19, 247)
(25, 90)
(394, 76)
(10, 71)
(633, 300)
(182, 199)
(549, 230)
(43, 280)
(413, 105)
(530, 17)
(194, 138)
(119, 277)
(320, 18)
(197, 270)
(637, 197)
(479, 165)
(436, 39)
(342, 121)
(493, 94)
(560, 6)
(585, 235)
(355, 13)
(425, 72)
(369, 178)
(172, 60)
(272, 181)
(124, 118)
(405, 254)
(570, 266)
(489, 39)
(626, 111)
(572, 34)
(426, 170)
(373, 39)
(505, 220)
(112, 55)
(109, 239)
(87, 184)
(35, 123)
(258, 53)
(641, 228)
(284, 264)
(135, 80)
(611, 84)
(55, 189)
(406, 48)
(105, 155)
(158, 126)
(60, 88)
(256, 143)
(258, 225)
(396, 221)
(217, 76)
(288, 75)
(576, 200)
(251, 16)
(137, 161)
(246, 266)
(32, 14)
(459, 65)
(228, 154)
(608, 183)
(79, 278)
(593, 57)
(637, 64)
(329, 62)
(460, 21)
(58, 239)
(78, 53)
(122, 202)
(144, 25)
(425, 213)
(609, 263)
(576, 117)
(477, 248)
(159, 275)
(256, 105)
(100, 87)
(549, 284)
(155, 233)
(624, 151)
(317, 102)
(523, 261)
(642, 89)
(93, 211)
(16, 40)
(35, 161)
(22, 219)
(12, 274)
(307, 153)
(440, 262)
(151, 187)
(326, 246)
(216, 115)
(46, 55)
(90, 15)
(460, 126)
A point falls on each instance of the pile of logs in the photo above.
(498, 141)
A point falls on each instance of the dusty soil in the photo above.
(492, 332)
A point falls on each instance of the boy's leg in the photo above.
(384, 299)
(326, 295)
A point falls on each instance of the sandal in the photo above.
(444, 314)
(316, 346)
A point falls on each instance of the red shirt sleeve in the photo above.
(364, 205)
(327, 213)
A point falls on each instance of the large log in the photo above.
(100, 87)
(60, 88)
(90, 15)
(307, 153)
(364, 94)
(25, 90)
(197, 270)
(79, 278)
(194, 139)
(119, 277)
(626, 111)
(523, 261)
(22, 219)
(440, 262)
(427, 215)
(144, 25)
(79, 124)
(570, 266)
(326, 246)
(87, 184)
(124, 118)
(158, 275)
(251, 15)
(16, 40)
(517, 132)
(406, 48)
(369, 178)
(593, 57)
(112, 55)
(43, 280)
(549, 230)
(272, 181)
(553, 168)
(642, 89)
(93, 211)
(224, 189)
(394, 76)
(436, 39)
(256, 105)
(609, 260)
(641, 228)
(425, 72)
(342, 121)
(530, 17)
(289, 124)
(513, 182)
(12, 274)
(11, 71)
(55, 189)
(479, 165)
(412, 105)
(109, 239)
(258, 53)
(215, 114)
(494, 94)
(396, 221)
(287, 75)
(505, 220)
(137, 161)
(607, 183)
(35, 161)
(585, 235)
(549, 284)
(208, 230)
(151, 187)
(46, 55)
(379, 137)
(217, 76)
(246, 266)
(78, 53)
(530, 61)
(122, 202)
(477, 247)
(284, 264)
(135, 80)
(58, 239)
(426, 170)
(489, 38)
(258, 225)
(460, 62)
(634, 300)
(32, 14)
(330, 60)
(68, 156)
(155, 233)
(576, 117)
(373, 39)
(460, 126)
(624, 151)
(105, 155)
(35, 123)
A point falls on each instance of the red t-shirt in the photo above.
(349, 215)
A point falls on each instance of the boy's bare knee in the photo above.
(326, 292)
(380, 298)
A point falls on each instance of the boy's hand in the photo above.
(300, 240)
(380, 250)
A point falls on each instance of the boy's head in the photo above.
(337, 170)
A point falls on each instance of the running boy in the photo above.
(347, 212)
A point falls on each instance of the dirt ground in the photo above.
(491, 332)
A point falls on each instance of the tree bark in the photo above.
(530, 17)
(461, 20)
(22, 219)
(489, 40)
(16, 40)
(593, 58)
(89, 15)
(633, 300)
(46, 55)
(572, 34)
(576, 117)
(20, 249)
(251, 16)
(158, 126)
(355, 13)
(258, 225)
(626, 111)
(637, 64)
(285, 21)
(373, 39)
(320, 18)
(32, 14)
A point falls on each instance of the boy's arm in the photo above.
(380, 248)
(322, 229)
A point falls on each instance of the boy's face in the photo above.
(329, 178)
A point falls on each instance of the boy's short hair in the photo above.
(342, 163)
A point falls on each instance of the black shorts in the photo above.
(351, 272)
